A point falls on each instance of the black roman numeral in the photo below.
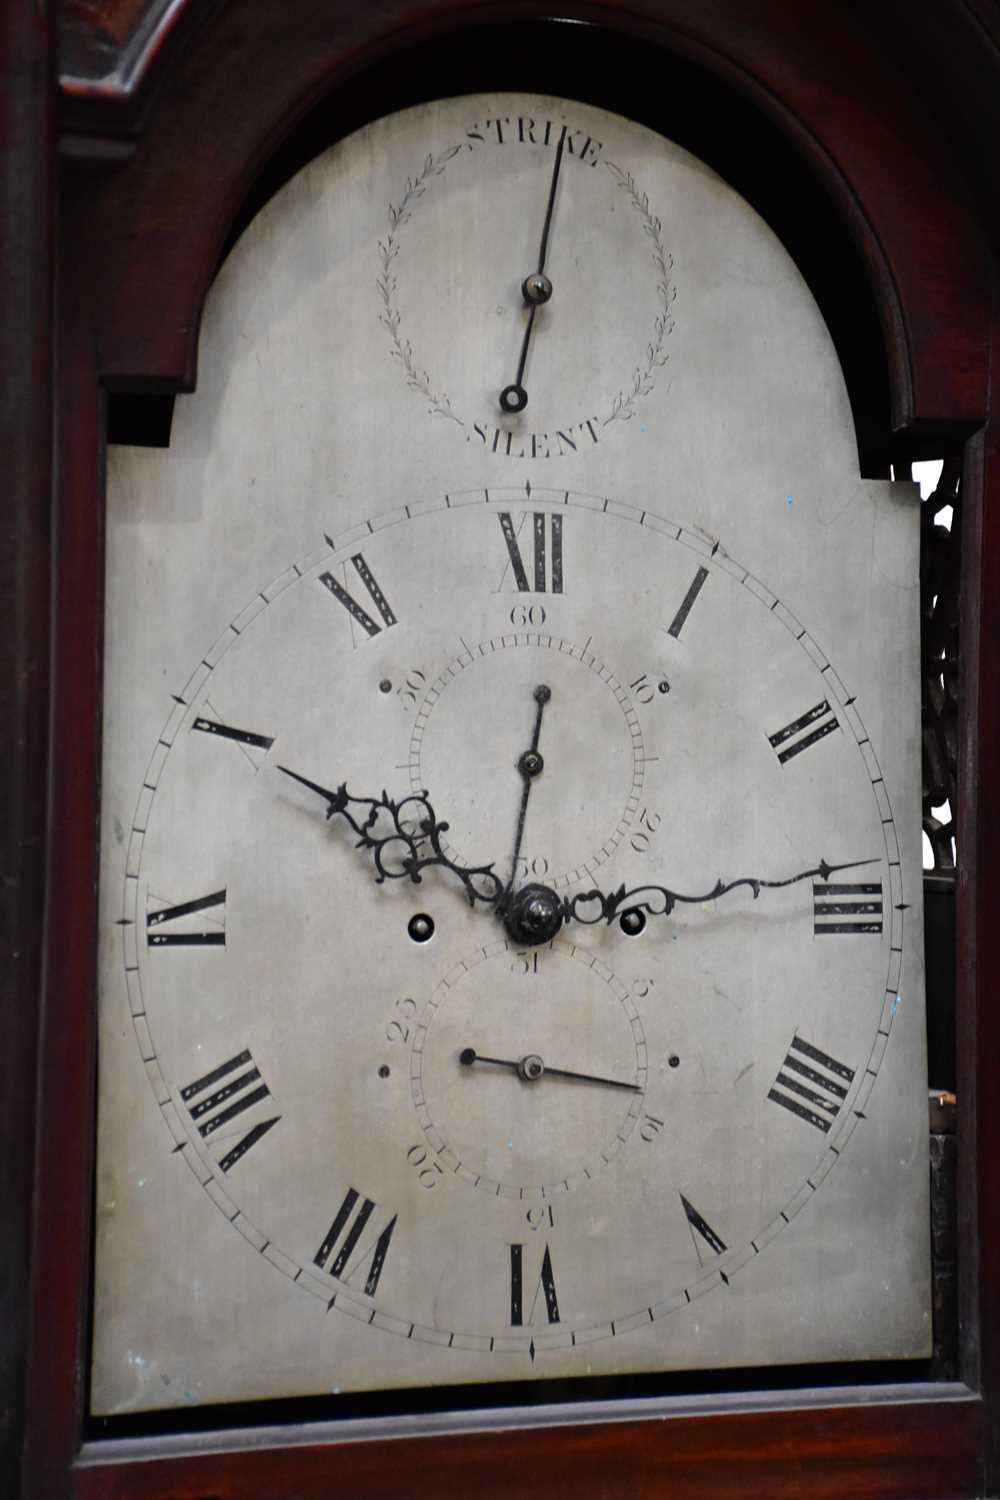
(229, 732)
(342, 1254)
(188, 937)
(803, 732)
(677, 623)
(354, 609)
(847, 908)
(548, 560)
(228, 1091)
(546, 1284)
(702, 1227)
(811, 1084)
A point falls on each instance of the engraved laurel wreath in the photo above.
(439, 404)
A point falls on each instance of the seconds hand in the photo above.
(535, 289)
(530, 765)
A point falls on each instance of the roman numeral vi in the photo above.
(546, 1285)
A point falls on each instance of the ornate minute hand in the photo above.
(612, 903)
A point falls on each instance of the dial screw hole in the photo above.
(383, 1071)
(385, 686)
(673, 1060)
(421, 927)
(632, 922)
(663, 685)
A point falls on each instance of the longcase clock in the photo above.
(490, 1013)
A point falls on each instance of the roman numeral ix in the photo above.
(547, 560)
(222, 1096)
(811, 1084)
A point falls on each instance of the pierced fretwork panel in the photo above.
(940, 543)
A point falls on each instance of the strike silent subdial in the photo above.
(482, 698)
(528, 1069)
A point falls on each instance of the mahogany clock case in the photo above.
(910, 399)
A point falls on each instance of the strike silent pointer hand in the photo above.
(535, 289)
(531, 1068)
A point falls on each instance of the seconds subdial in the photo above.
(483, 697)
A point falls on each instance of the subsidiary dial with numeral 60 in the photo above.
(502, 1149)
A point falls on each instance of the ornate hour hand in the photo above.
(398, 834)
(531, 1068)
(535, 289)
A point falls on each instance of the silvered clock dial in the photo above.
(511, 930)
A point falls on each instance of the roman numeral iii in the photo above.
(847, 908)
(221, 1096)
(546, 1285)
(811, 1084)
(354, 609)
(808, 729)
(547, 558)
(342, 1238)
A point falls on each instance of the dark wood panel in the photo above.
(978, 1015)
(26, 254)
(821, 74)
(906, 1451)
(61, 1270)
